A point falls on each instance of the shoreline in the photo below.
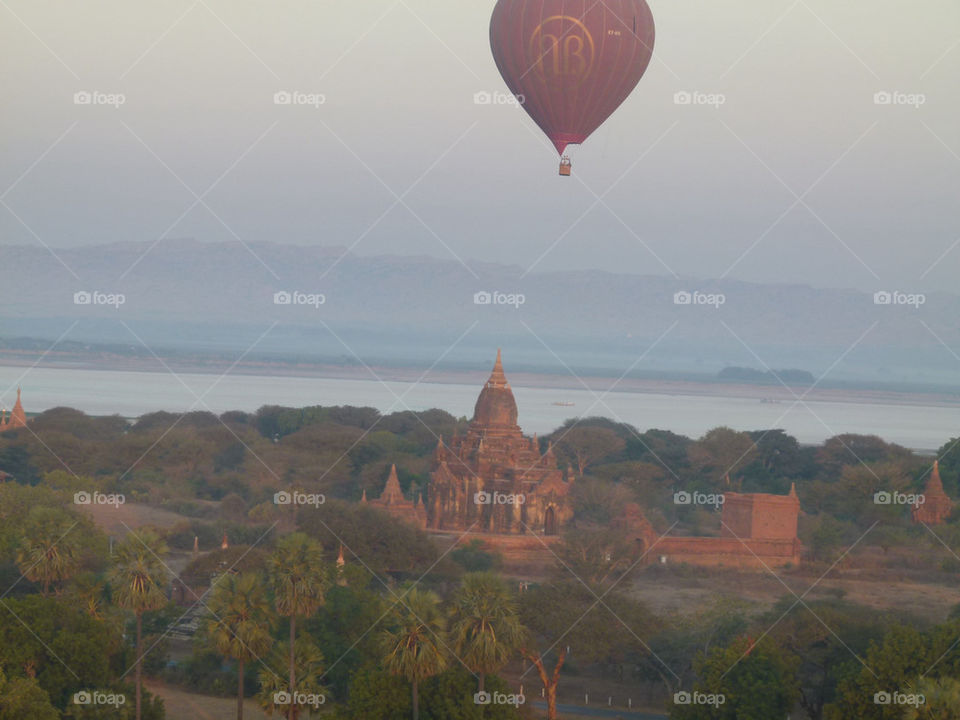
(769, 393)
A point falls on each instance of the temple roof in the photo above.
(391, 491)
(935, 484)
(17, 418)
(496, 404)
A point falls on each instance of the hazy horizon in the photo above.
(399, 159)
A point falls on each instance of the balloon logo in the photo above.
(573, 62)
(557, 54)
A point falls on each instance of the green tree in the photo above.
(310, 693)
(240, 626)
(298, 575)
(48, 553)
(822, 636)
(413, 644)
(566, 617)
(485, 624)
(450, 696)
(747, 682)
(941, 700)
(23, 698)
(375, 693)
(138, 580)
(342, 626)
(905, 656)
(598, 555)
(720, 452)
(680, 638)
(585, 445)
(56, 642)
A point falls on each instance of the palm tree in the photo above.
(311, 693)
(486, 628)
(48, 553)
(240, 626)
(299, 580)
(86, 592)
(138, 580)
(414, 645)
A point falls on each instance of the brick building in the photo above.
(493, 479)
(758, 530)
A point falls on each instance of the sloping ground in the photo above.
(114, 520)
(181, 705)
(688, 590)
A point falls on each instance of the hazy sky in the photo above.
(799, 176)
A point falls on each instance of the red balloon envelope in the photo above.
(571, 62)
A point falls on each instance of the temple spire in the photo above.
(498, 378)
(935, 484)
(18, 418)
(341, 580)
(793, 490)
(391, 491)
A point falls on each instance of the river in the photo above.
(105, 392)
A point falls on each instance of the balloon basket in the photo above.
(565, 166)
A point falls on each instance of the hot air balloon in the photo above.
(571, 63)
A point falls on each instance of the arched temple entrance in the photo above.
(550, 521)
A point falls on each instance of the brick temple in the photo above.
(758, 530)
(17, 419)
(937, 505)
(493, 479)
(494, 484)
(393, 502)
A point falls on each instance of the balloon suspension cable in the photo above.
(565, 166)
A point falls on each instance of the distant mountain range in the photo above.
(328, 303)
